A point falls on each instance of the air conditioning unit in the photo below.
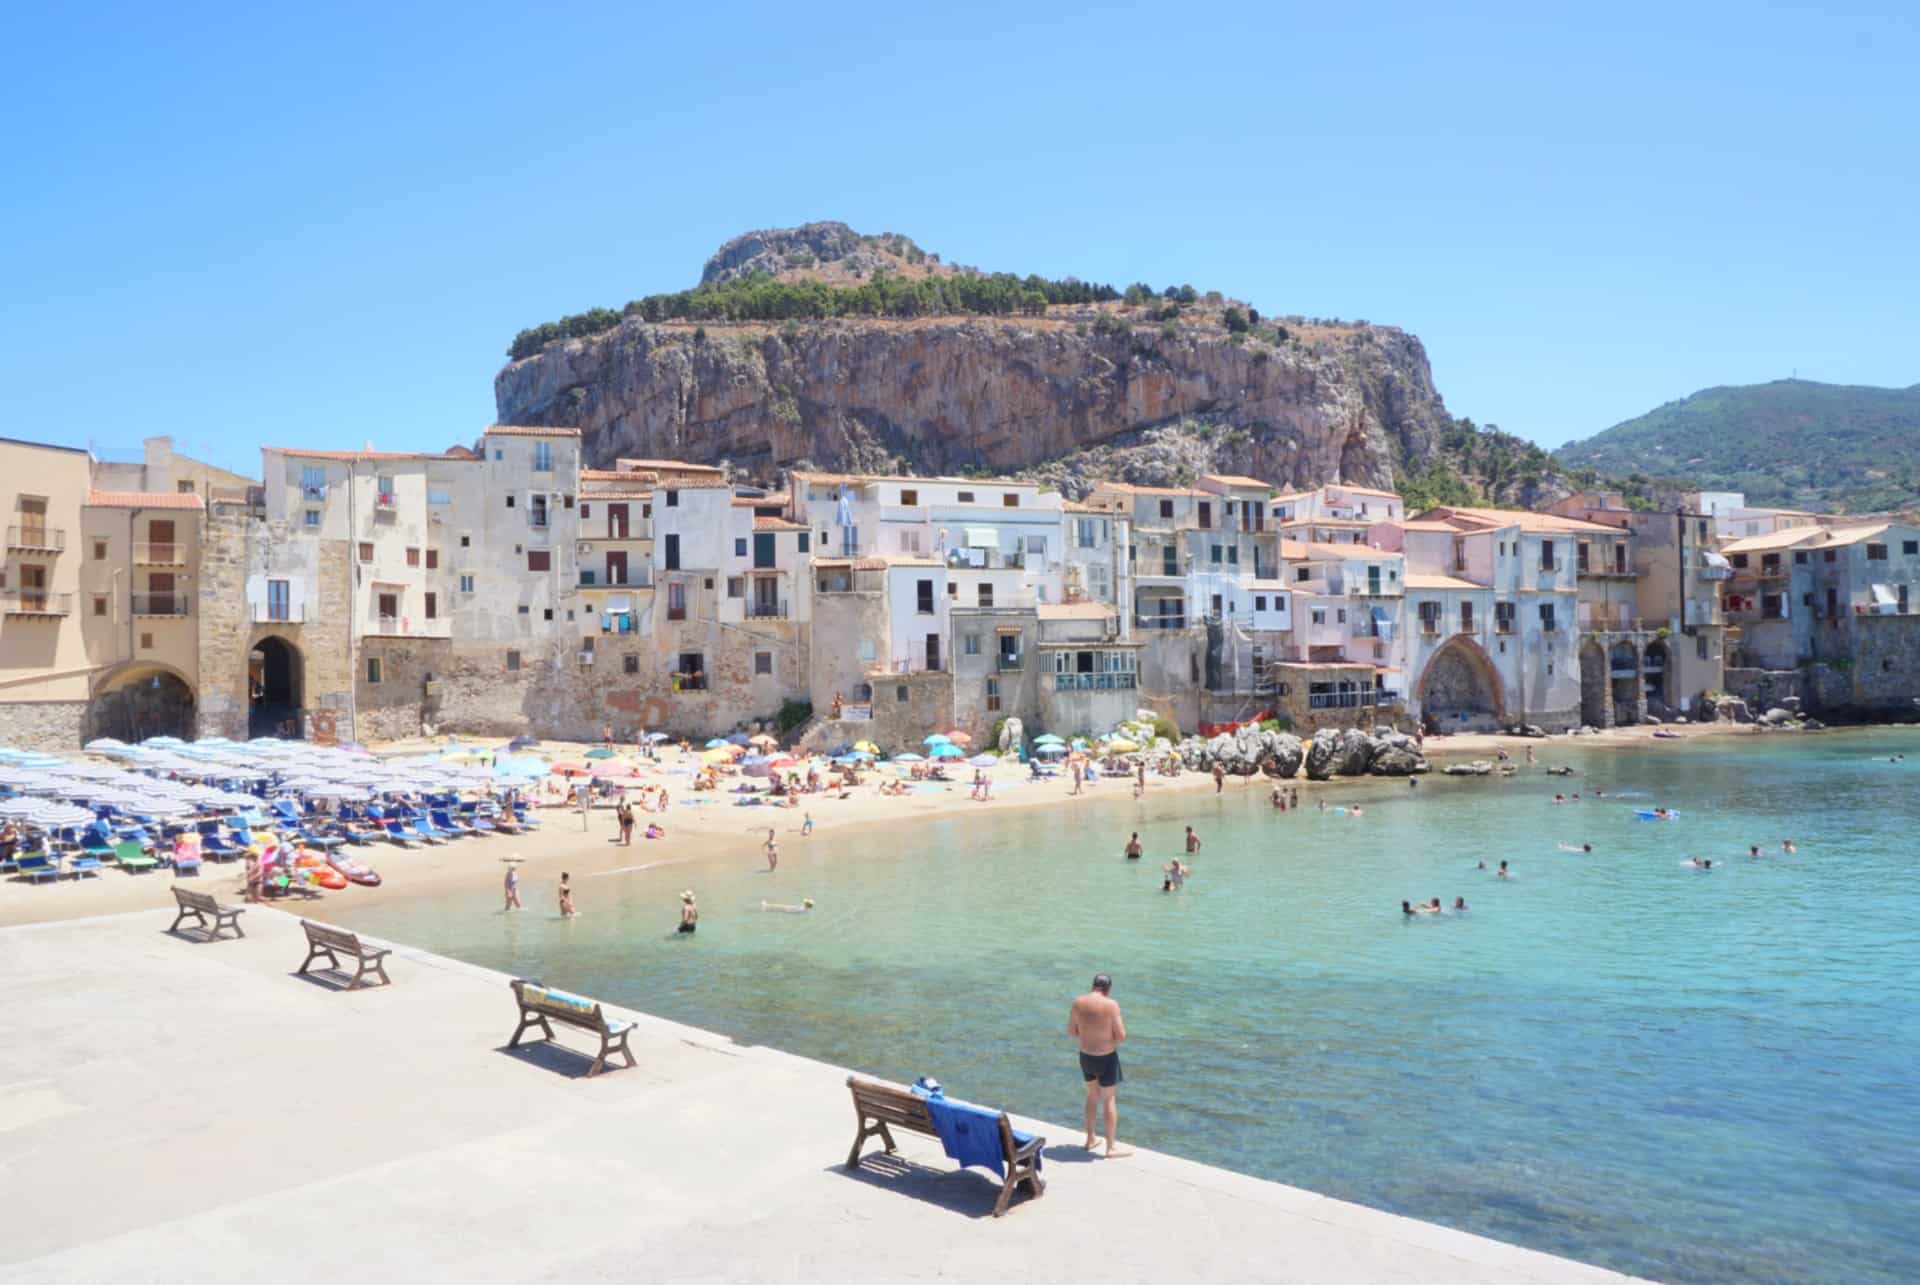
(585, 658)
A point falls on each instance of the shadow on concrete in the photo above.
(557, 1057)
(960, 1191)
(329, 979)
(199, 936)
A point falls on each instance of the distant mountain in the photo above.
(1792, 443)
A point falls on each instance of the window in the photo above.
(539, 559)
(673, 499)
(671, 554)
(509, 499)
(1466, 617)
(279, 604)
(313, 482)
(99, 604)
(740, 548)
(522, 610)
(900, 693)
(586, 510)
(466, 541)
(1259, 602)
(909, 497)
(965, 497)
(385, 489)
(986, 593)
(909, 540)
(1700, 646)
(433, 559)
(438, 495)
(1737, 559)
(1233, 555)
(1799, 558)
(803, 536)
(953, 589)
(970, 644)
(1830, 556)
(1503, 617)
(1876, 553)
(543, 457)
(99, 550)
(366, 551)
(513, 662)
(1301, 573)
(146, 642)
(537, 509)
(373, 669)
(1319, 615)
(387, 605)
(1546, 555)
(1206, 515)
(676, 601)
(586, 643)
(499, 454)
(923, 597)
(1429, 617)
(1340, 615)
(1009, 651)
(763, 662)
(413, 557)
(1010, 500)
(692, 671)
(1166, 508)
(466, 584)
(993, 695)
(1214, 555)
(736, 587)
(629, 664)
(1581, 557)
(1547, 623)
(547, 614)
(1084, 532)
(312, 518)
(433, 606)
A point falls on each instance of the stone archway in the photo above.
(1653, 671)
(141, 699)
(276, 678)
(1596, 693)
(1623, 673)
(1460, 689)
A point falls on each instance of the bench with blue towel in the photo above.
(973, 1135)
(539, 1002)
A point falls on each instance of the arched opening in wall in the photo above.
(1623, 665)
(139, 701)
(1593, 685)
(275, 672)
(1655, 669)
(1460, 690)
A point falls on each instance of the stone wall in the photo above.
(1885, 673)
(52, 726)
(1762, 689)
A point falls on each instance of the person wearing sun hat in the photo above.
(689, 913)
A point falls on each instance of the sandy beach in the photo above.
(707, 827)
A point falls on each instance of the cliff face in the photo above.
(1056, 396)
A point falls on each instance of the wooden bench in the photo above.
(885, 1105)
(332, 942)
(200, 906)
(539, 1002)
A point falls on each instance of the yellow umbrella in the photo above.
(718, 756)
(764, 740)
(1124, 747)
(868, 746)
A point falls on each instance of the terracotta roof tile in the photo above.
(529, 430)
(1421, 580)
(777, 524)
(302, 453)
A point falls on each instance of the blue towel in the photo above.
(970, 1133)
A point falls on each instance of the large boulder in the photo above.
(1394, 760)
(1012, 735)
(1320, 756)
(1479, 767)
(1354, 752)
(1776, 717)
(1285, 753)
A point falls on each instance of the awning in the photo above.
(982, 537)
(1713, 559)
(618, 606)
(1885, 596)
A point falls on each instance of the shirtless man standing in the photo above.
(1095, 1022)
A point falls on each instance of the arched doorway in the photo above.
(1623, 667)
(1460, 690)
(139, 701)
(1596, 705)
(1654, 669)
(275, 672)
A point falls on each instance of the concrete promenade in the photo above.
(172, 1110)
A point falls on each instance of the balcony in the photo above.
(160, 604)
(1008, 664)
(1360, 698)
(36, 537)
(641, 578)
(1095, 682)
(162, 553)
(383, 625)
(1160, 622)
(276, 613)
(36, 602)
(313, 494)
(766, 609)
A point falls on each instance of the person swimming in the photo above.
(1699, 863)
(806, 904)
(1559, 798)
(1479, 865)
(1568, 847)
(1753, 849)
(1502, 872)
(1459, 904)
(1409, 909)
(1786, 845)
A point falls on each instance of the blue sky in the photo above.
(242, 227)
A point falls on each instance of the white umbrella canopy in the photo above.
(54, 816)
(153, 805)
(104, 743)
(18, 809)
(41, 784)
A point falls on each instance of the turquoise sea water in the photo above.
(1697, 1077)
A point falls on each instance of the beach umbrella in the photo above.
(1122, 747)
(717, 743)
(104, 743)
(1049, 751)
(908, 758)
(948, 751)
(938, 738)
(719, 756)
(786, 761)
(522, 742)
(1048, 738)
(1079, 742)
(530, 766)
(756, 765)
(862, 756)
(865, 747)
(568, 769)
(601, 753)
(657, 737)
(959, 738)
(54, 816)
(737, 738)
(763, 740)
(17, 809)
(159, 806)
(983, 760)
